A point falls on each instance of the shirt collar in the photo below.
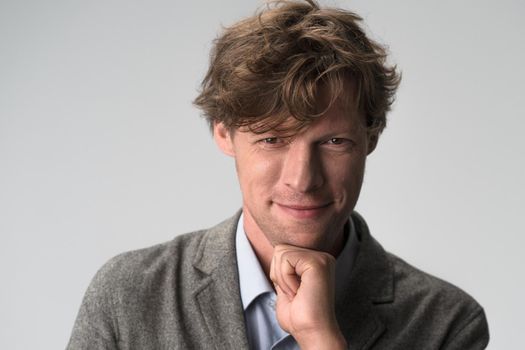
(253, 281)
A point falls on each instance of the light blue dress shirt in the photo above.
(258, 296)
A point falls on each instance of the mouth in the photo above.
(301, 211)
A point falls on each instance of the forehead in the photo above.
(341, 109)
(331, 100)
(339, 116)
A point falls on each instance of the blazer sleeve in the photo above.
(472, 335)
(96, 325)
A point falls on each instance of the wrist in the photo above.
(321, 340)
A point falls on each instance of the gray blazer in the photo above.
(184, 294)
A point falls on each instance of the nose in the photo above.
(302, 170)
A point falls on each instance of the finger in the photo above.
(284, 270)
(281, 294)
(289, 274)
(273, 273)
(277, 275)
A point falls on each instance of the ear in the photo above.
(371, 142)
(223, 138)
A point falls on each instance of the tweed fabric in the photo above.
(184, 294)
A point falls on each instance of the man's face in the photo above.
(300, 189)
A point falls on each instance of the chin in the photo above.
(308, 239)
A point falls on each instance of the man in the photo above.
(298, 95)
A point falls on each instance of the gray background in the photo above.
(101, 150)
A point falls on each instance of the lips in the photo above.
(301, 211)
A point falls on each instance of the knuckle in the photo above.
(326, 260)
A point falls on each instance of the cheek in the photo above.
(346, 176)
(257, 176)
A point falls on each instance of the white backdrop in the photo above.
(101, 150)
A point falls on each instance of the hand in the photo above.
(305, 283)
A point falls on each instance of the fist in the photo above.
(304, 280)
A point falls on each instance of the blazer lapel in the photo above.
(371, 283)
(217, 295)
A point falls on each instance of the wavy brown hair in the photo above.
(274, 64)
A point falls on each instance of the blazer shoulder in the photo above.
(171, 261)
(146, 290)
(132, 268)
(438, 304)
(411, 282)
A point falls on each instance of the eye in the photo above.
(270, 140)
(336, 141)
(339, 144)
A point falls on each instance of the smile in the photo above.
(303, 211)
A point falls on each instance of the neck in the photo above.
(263, 249)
